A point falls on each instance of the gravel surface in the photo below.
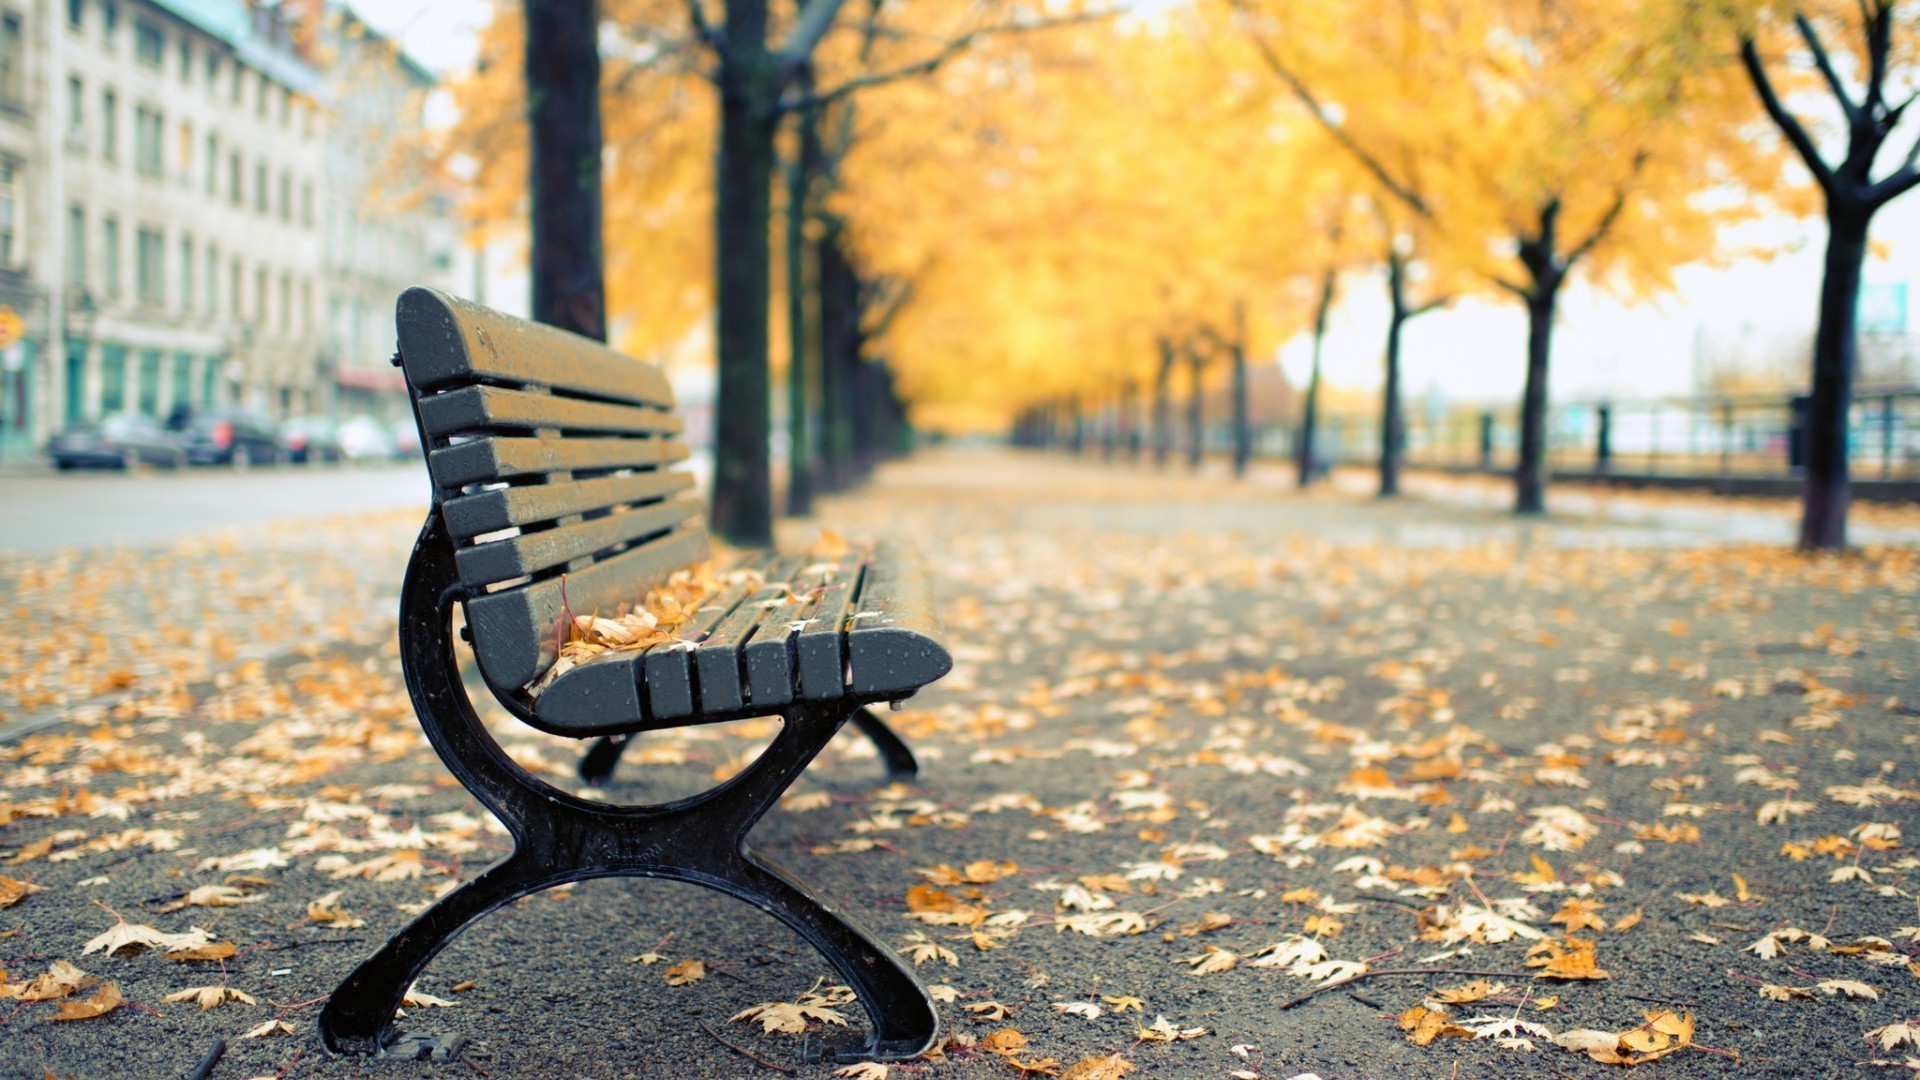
(1202, 740)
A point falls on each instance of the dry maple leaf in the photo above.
(60, 980)
(1894, 1034)
(218, 950)
(1469, 993)
(1085, 1009)
(923, 948)
(13, 890)
(1423, 1025)
(1163, 1030)
(124, 935)
(1005, 1041)
(326, 910)
(1777, 992)
(864, 1070)
(212, 896)
(987, 1011)
(209, 996)
(1212, 961)
(394, 866)
(685, 972)
(103, 1001)
(271, 1027)
(1852, 989)
(1107, 1067)
(1570, 959)
(1123, 1002)
(1578, 914)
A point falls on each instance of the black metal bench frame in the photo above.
(560, 838)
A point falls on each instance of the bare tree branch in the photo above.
(1784, 120)
(1298, 86)
(1612, 215)
(816, 18)
(1431, 305)
(1521, 291)
(1825, 64)
(932, 63)
(1879, 41)
(702, 29)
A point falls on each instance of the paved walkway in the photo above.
(1207, 744)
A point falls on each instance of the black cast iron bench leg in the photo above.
(560, 838)
(597, 764)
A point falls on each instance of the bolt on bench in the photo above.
(552, 495)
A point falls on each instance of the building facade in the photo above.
(187, 212)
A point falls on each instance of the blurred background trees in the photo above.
(992, 218)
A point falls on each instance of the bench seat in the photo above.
(858, 626)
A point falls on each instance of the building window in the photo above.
(113, 379)
(207, 377)
(286, 108)
(109, 125)
(76, 13)
(9, 212)
(286, 303)
(239, 81)
(186, 59)
(109, 22)
(233, 178)
(186, 150)
(110, 256)
(13, 62)
(182, 383)
(76, 107)
(150, 382)
(260, 186)
(260, 297)
(186, 273)
(150, 270)
(286, 196)
(213, 279)
(306, 203)
(76, 247)
(213, 68)
(213, 164)
(149, 43)
(147, 137)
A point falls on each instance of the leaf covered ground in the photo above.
(1226, 782)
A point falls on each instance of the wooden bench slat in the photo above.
(717, 661)
(669, 670)
(520, 556)
(476, 408)
(474, 515)
(818, 648)
(768, 657)
(513, 629)
(446, 341)
(895, 643)
(502, 457)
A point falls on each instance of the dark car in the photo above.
(230, 438)
(310, 439)
(117, 442)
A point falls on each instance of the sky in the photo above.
(1603, 348)
(441, 34)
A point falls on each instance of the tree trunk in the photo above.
(743, 209)
(1392, 430)
(1828, 488)
(839, 324)
(1530, 476)
(1242, 428)
(563, 114)
(803, 329)
(1163, 406)
(1310, 417)
(1195, 412)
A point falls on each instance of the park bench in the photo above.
(553, 494)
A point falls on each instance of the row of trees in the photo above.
(1015, 209)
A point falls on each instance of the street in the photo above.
(47, 510)
(1206, 746)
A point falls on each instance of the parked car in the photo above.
(406, 438)
(310, 439)
(117, 442)
(230, 438)
(362, 438)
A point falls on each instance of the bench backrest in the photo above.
(550, 456)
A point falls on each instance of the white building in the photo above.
(187, 210)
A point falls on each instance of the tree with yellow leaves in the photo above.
(1533, 140)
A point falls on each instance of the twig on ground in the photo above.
(1317, 991)
(745, 1053)
(1658, 1000)
(208, 1061)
